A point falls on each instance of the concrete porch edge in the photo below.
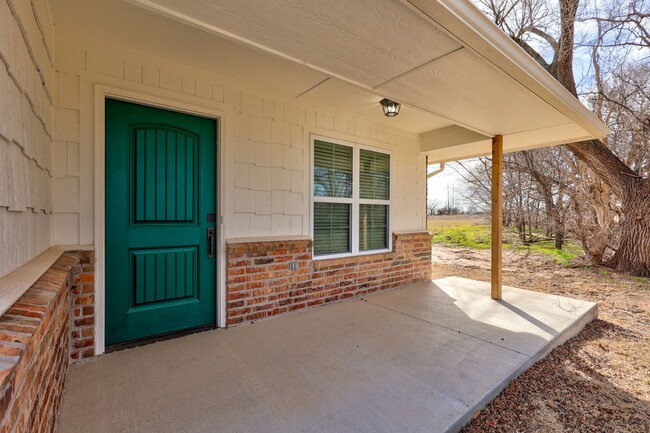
(587, 316)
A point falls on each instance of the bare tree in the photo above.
(533, 24)
(546, 170)
(535, 191)
(432, 206)
(476, 177)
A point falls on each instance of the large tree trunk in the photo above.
(632, 190)
(559, 240)
(633, 253)
(614, 172)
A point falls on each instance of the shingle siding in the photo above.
(27, 93)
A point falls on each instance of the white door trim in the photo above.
(101, 92)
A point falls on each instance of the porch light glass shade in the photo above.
(391, 108)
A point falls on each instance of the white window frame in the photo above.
(355, 201)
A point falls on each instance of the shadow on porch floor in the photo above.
(423, 357)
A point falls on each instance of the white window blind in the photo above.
(349, 218)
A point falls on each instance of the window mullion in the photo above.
(372, 201)
(332, 199)
(355, 200)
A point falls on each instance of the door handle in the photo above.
(211, 240)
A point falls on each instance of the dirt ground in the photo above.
(597, 382)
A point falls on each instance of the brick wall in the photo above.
(82, 298)
(261, 284)
(34, 352)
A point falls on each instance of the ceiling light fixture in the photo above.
(391, 108)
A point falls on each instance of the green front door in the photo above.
(160, 221)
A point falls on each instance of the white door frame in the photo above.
(101, 92)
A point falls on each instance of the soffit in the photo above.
(367, 41)
(117, 23)
(388, 47)
(110, 22)
(340, 54)
(476, 92)
(349, 98)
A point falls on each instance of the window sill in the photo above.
(351, 255)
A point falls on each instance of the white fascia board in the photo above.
(477, 32)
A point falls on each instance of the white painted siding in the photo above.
(266, 140)
(27, 93)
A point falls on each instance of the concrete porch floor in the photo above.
(420, 358)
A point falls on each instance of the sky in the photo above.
(438, 185)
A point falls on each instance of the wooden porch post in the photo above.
(497, 215)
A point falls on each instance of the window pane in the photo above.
(331, 228)
(373, 227)
(374, 175)
(332, 170)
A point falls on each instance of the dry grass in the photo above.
(436, 221)
(597, 382)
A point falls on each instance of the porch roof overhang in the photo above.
(459, 78)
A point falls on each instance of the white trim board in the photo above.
(101, 92)
(16, 283)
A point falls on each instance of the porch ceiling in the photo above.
(443, 60)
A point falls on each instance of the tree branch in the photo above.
(542, 34)
(532, 53)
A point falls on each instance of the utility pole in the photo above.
(453, 199)
(448, 203)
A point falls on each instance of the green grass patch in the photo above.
(477, 235)
(547, 248)
(471, 236)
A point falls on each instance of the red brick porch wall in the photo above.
(34, 352)
(49, 327)
(82, 300)
(261, 284)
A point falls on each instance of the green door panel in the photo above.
(160, 188)
(163, 174)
